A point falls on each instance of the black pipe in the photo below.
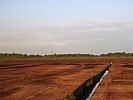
(85, 89)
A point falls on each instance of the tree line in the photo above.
(17, 55)
(117, 54)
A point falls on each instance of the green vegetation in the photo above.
(117, 54)
(16, 55)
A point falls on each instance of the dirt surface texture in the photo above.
(53, 79)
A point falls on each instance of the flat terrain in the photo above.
(53, 79)
(118, 84)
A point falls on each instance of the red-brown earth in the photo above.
(53, 79)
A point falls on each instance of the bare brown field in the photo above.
(54, 79)
(118, 84)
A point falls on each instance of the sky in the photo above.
(66, 26)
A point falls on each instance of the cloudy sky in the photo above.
(66, 26)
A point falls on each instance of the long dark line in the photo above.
(85, 89)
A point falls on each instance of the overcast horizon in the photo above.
(66, 26)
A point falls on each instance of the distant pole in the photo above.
(52, 52)
(91, 51)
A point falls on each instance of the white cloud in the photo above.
(85, 22)
(87, 34)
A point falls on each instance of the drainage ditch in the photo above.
(88, 88)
